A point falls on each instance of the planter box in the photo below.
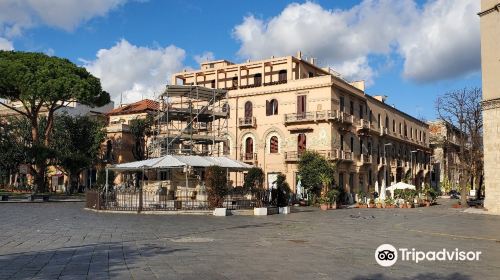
(260, 211)
(220, 212)
(284, 210)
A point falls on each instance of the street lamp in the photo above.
(385, 166)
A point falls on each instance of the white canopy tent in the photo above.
(179, 161)
(400, 186)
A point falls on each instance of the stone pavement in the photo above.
(64, 241)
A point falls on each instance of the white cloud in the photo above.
(18, 15)
(135, 71)
(347, 38)
(444, 43)
(204, 57)
(5, 45)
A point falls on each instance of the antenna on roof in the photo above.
(121, 99)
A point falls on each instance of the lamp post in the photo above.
(385, 166)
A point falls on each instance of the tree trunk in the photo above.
(478, 185)
(40, 182)
(463, 190)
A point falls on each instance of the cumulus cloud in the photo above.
(347, 38)
(204, 57)
(5, 45)
(16, 15)
(135, 72)
(444, 43)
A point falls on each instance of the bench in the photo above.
(44, 197)
(5, 197)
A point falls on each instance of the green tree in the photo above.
(282, 192)
(13, 147)
(216, 184)
(43, 84)
(313, 168)
(141, 129)
(76, 143)
(254, 181)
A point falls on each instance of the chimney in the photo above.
(299, 55)
(381, 98)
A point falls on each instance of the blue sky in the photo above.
(409, 50)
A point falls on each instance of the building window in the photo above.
(248, 110)
(342, 104)
(406, 130)
(400, 128)
(311, 74)
(393, 125)
(212, 83)
(226, 109)
(282, 76)
(271, 107)
(273, 145)
(386, 121)
(301, 143)
(301, 105)
(370, 117)
(249, 148)
(235, 82)
(360, 146)
(379, 121)
(352, 144)
(361, 111)
(225, 147)
(257, 80)
(341, 142)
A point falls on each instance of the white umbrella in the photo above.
(382, 190)
(400, 186)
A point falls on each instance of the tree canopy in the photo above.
(41, 85)
(312, 170)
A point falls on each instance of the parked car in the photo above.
(454, 194)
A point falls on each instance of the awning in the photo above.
(179, 161)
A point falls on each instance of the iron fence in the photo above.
(136, 200)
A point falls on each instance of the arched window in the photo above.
(273, 145)
(226, 109)
(387, 122)
(393, 125)
(271, 107)
(248, 111)
(301, 143)
(282, 76)
(257, 80)
(249, 148)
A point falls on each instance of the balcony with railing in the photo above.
(250, 158)
(363, 125)
(383, 131)
(247, 122)
(345, 155)
(365, 159)
(293, 156)
(300, 117)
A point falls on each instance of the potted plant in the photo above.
(332, 195)
(389, 202)
(254, 181)
(323, 203)
(361, 199)
(371, 203)
(378, 203)
(216, 187)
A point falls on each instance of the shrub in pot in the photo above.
(371, 203)
(254, 181)
(323, 203)
(216, 186)
(332, 196)
(390, 202)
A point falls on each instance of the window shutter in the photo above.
(268, 108)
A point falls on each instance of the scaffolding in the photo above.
(191, 120)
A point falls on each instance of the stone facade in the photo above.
(490, 63)
(444, 143)
(280, 107)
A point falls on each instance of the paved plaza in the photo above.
(64, 241)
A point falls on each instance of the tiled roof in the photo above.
(135, 108)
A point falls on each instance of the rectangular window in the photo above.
(301, 104)
(351, 107)
(361, 110)
(342, 104)
(341, 142)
